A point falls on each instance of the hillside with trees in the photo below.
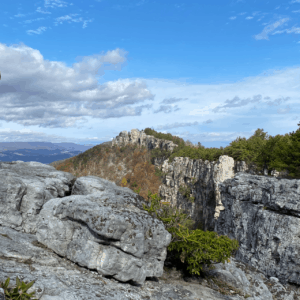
(133, 166)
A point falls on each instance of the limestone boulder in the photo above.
(25, 187)
(104, 227)
(263, 214)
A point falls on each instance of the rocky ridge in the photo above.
(138, 137)
(67, 261)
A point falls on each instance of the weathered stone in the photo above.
(263, 214)
(202, 178)
(57, 278)
(140, 138)
(25, 187)
(105, 228)
(252, 283)
(109, 234)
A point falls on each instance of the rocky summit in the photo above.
(87, 238)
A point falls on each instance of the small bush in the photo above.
(195, 248)
(18, 292)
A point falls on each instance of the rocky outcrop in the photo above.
(90, 221)
(139, 138)
(263, 214)
(74, 236)
(193, 184)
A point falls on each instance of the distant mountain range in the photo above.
(44, 152)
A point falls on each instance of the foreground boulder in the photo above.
(107, 234)
(90, 221)
(25, 187)
(263, 214)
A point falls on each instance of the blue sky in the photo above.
(207, 71)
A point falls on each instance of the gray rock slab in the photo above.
(105, 233)
(262, 213)
(57, 278)
(92, 184)
(25, 187)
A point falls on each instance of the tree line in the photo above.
(266, 152)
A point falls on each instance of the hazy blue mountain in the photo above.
(44, 152)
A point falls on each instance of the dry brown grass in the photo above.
(114, 164)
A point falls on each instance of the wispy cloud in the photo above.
(277, 101)
(30, 21)
(28, 96)
(173, 100)
(55, 3)
(295, 30)
(269, 29)
(19, 15)
(39, 10)
(232, 18)
(295, 1)
(176, 125)
(237, 102)
(70, 18)
(249, 18)
(166, 109)
(37, 31)
(284, 110)
(208, 121)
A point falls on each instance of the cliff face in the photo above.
(263, 214)
(191, 184)
(194, 186)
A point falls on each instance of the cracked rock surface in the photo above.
(25, 187)
(57, 278)
(263, 214)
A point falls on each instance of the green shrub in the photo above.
(19, 292)
(195, 248)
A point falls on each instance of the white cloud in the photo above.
(37, 31)
(176, 125)
(232, 18)
(70, 18)
(49, 94)
(269, 29)
(30, 21)
(39, 10)
(295, 30)
(55, 3)
(249, 18)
